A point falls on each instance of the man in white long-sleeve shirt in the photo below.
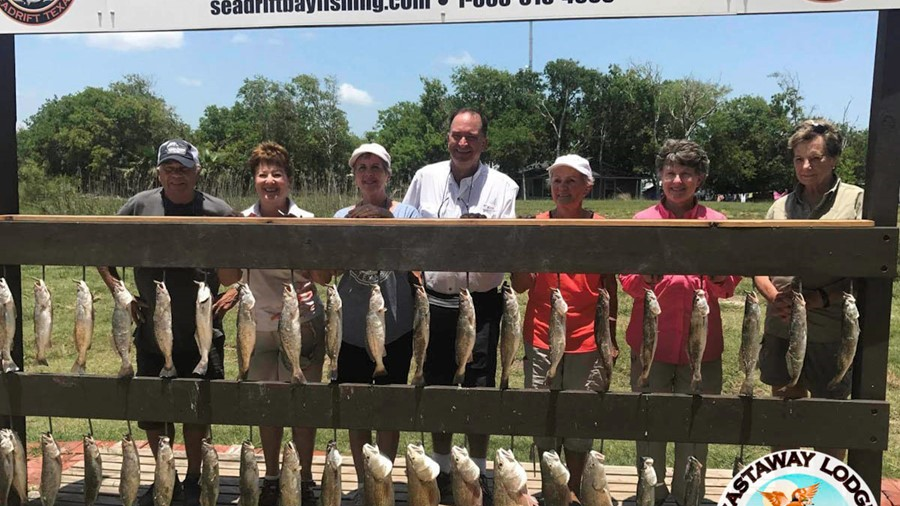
(463, 187)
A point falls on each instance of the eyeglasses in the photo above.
(684, 176)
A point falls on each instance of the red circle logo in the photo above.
(34, 12)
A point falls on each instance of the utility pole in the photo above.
(530, 45)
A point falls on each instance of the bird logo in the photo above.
(800, 497)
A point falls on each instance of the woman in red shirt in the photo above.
(571, 180)
(682, 167)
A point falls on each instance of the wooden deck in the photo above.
(622, 479)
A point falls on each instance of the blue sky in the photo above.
(831, 55)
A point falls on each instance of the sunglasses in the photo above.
(819, 128)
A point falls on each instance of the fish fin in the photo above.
(126, 371)
(76, 368)
(168, 372)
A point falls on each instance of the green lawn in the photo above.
(102, 359)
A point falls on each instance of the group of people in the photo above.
(465, 187)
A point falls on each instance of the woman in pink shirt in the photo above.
(682, 167)
(571, 180)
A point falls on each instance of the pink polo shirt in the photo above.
(675, 294)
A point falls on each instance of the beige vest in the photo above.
(842, 202)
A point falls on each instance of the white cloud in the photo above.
(240, 38)
(459, 60)
(143, 41)
(186, 81)
(350, 94)
(20, 125)
(272, 41)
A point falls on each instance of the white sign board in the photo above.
(68, 16)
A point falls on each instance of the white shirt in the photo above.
(267, 284)
(436, 194)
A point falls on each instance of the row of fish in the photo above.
(750, 339)
(510, 338)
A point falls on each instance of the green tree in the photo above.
(105, 138)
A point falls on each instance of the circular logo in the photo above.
(797, 478)
(34, 12)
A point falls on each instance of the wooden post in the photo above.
(9, 192)
(882, 185)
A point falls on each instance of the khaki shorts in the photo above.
(266, 363)
(572, 374)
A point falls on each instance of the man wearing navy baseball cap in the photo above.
(178, 169)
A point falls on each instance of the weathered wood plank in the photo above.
(619, 415)
(434, 245)
(880, 205)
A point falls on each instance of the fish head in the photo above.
(425, 468)
(693, 463)
(557, 302)
(127, 439)
(652, 303)
(163, 442)
(558, 471)
(247, 298)
(420, 292)
(161, 289)
(797, 299)
(751, 298)
(288, 291)
(646, 462)
(462, 465)
(850, 308)
(377, 464)
(203, 293)
(47, 438)
(595, 458)
(511, 473)
(603, 295)
(464, 294)
(6, 442)
(39, 285)
(701, 305)
(121, 294)
(333, 457)
(376, 300)
(334, 298)
(4, 289)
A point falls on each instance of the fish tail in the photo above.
(418, 380)
(334, 373)
(379, 371)
(77, 367)
(644, 379)
(504, 383)
(459, 377)
(747, 387)
(168, 372)
(41, 358)
(202, 366)
(834, 382)
(298, 378)
(126, 371)
(697, 385)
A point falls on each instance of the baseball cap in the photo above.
(179, 150)
(372, 148)
(576, 162)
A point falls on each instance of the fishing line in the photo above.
(90, 427)
(558, 280)
(602, 442)
(334, 434)
(209, 433)
(50, 422)
(250, 437)
(84, 273)
(467, 280)
(129, 427)
(44, 275)
(742, 452)
(531, 454)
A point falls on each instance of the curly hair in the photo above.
(682, 152)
